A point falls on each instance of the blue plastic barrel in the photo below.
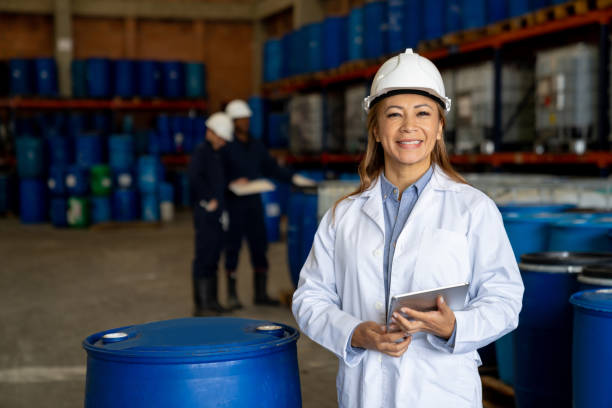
(125, 205)
(75, 124)
(355, 34)
(518, 7)
(56, 181)
(99, 77)
(272, 214)
(375, 29)
(302, 213)
(166, 193)
(88, 149)
(30, 157)
(581, 235)
(77, 180)
(183, 188)
(538, 4)
(498, 10)
(188, 124)
(287, 64)
(199, 131)
(414, 29)
(176, 130)
(434, 19)
(256, 124)
(474, 13)
(195, 80)
(278, 130)
(149, 78)
(78, 76)
(591, 351)
(149, 174)
(335, 51)
(124, 78)
(543, 342)
(100, 209)
(121, 151)
(396, 25)
(533, 208)
(296, 55)
(595, 277)
(314, 50)
(149, 207)
(124, 177)
(173, 79)
(21, 82)
(46, 76)
(101, 122)
(164, 134)
(59, 150)
(453, 15)
(194, 362)
(32, 201)
(58, 212)
(273, 60)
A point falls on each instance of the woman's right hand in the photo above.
(372, 336)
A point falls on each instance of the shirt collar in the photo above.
(388, 189)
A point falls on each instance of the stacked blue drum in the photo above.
(542, 342)
(272, 212)
(595, 277)
(31, 171)
(46, 77)
(590, 234)
(355, 33)
(194, 362)
(149, 78)
(150, 176)
(195, 80)
(124, 78)
(591, 351)
(375, 29)
(303, 222)
(21, 83)
(335, 51)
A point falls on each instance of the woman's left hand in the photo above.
(440, 322)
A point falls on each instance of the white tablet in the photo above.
(425, 300)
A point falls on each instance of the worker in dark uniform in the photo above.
(247, 159)
(206, 176)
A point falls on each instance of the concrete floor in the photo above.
(59, 286)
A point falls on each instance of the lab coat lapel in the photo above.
(373, 206)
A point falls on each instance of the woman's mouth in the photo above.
(409, 144)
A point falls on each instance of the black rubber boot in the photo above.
(207, 292)
(232, 298)
(261, 295)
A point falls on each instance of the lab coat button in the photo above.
(377, 252)
(378, 306)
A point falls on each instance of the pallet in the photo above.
(431, 45)
(561, 11)
(116, 225)
(496, 393)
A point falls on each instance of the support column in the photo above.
(258, 43)
(497, 99)
(62, 17)
(198, 38)
(603, 119)
(306, 12)
(131, 43)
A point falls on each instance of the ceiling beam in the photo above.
(266, 8)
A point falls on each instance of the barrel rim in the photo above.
(565, 258)
(577, 300)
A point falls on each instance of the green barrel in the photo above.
(78, 212)
(100, 180)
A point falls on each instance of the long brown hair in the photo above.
(373, 162)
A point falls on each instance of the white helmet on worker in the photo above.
(222, 125)
(238, 109)
(407, 73)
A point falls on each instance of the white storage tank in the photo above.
(306, 123)
(355, 131)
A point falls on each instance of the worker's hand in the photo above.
(212, 205)
(439, 322)
(241, 180)
(372, 336)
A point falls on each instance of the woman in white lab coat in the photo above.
(447, 233)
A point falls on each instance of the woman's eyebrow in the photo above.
(393, 106)
(422, 105)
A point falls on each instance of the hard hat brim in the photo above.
(368, 103)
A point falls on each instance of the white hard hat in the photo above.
(237, 109)
(408, 73)
(222, 125)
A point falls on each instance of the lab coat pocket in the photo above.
(443, 258)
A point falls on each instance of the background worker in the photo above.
(247, 159)
(206, 176)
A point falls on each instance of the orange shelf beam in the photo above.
(600, 159)
(113, 104)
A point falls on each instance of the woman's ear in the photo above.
(375, 132)
(440, 130)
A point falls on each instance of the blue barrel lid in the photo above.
(561, 262)
(534, 207)
(592, 223)
(539, 217)
(595, 299)
(191, 340)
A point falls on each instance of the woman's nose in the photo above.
(407, 124)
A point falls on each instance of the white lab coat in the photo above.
(454, 234)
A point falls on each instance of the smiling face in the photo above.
(408, 127)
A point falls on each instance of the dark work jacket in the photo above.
(252, 160)
(206, 175)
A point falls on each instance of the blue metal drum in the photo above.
(543, 344)
(453, 15)
(314, 50)
(56, 181)
(287, 62)
(166, 193)
(77, 180)
(538, 4)
(30, 157)
(149, 207)
(434, 20)
(375, 29)
(474, 13)
(278, 130)
(194, 362)
(99, 77)
(498, 10)
(183, 188)
(59, 150)
(256, 124)
(121, 151)
(335, 51)
(178, 136)
(21, 83)
(75, 124)
(272, 213)
(78, 75)
(518, 7)
(173, 79)
(591, 351)
(125, 205)
(195, 80)
(164, 134)
(124, 178)
(100, 209)
(199, 131)
(101, 122)
(88, 150)
(302, 213)
(149, 78)
(46, 76)
(581, 235)
(414, 29)
(124, 78)
(150, 174)
(355, 34)
(595, 277)
(395, 25)
(273, 60)
(59, 209)
(32, 201)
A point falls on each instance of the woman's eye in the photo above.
(393, 115)
(423, 113)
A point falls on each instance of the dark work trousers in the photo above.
(246, 219)
(208, 242)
